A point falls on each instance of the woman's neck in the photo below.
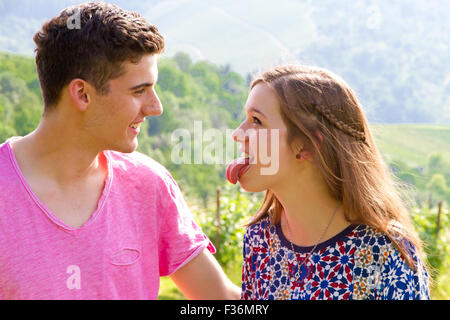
(308, 210)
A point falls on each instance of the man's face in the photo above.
(114, 119)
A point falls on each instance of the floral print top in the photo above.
(358, 263)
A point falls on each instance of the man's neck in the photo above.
(59, 155)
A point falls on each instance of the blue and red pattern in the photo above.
(358, 263)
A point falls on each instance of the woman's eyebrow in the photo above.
(253, 109)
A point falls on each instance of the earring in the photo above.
(298, 156)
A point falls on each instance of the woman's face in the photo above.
(263, 140)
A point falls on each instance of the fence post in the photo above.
(430, 201)
(438, 222)
(217, 242)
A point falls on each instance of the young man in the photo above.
(82, 215)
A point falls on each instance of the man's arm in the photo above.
(203, 279)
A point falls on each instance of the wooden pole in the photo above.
(438, 222)
(217, 242)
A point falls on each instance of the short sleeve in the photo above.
(400, 282)
(180, 238)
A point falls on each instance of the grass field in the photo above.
(411, 143)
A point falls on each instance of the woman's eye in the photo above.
(256, 120)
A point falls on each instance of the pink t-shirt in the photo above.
(142, 230)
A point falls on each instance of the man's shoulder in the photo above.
(5, 162)
(136, 163)
(4, 148)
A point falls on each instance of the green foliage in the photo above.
(20, 108)
(183, 60)
(436, 163)
(22, 68)
(429, 180)
(438, 185)
(436, 244)
(172, 78)
(169, 291)
(6, 132)
(227, 230)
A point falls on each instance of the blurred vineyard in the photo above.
(225, 226)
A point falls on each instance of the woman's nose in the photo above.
(240, 135)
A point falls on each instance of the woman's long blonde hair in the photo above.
(313, 99)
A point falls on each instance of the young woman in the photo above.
(332, 224)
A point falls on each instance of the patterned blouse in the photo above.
(358, 263)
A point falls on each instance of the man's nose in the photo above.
(153, 106)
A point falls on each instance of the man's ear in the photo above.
(79, 91)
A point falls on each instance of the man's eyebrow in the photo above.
(253, 109)
(142, 85)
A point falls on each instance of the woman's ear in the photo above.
(319, 137)
(306, 153)
(302, 152)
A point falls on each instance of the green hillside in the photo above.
(411, 143)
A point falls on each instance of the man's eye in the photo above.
(139, 92)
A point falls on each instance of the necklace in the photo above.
(315, 246)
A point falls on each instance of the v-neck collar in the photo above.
(45, 209)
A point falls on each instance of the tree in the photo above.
(22, 108)
(183, 60)
(436, 163)
(6, 132)
(438, 186)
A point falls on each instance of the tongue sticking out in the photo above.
(236, 169)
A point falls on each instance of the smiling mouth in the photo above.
(136, 125)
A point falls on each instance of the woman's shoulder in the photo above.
(370, 236)
(380, 266)
(374, 238)
(259, 229)
(382, 248)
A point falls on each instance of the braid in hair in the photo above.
(339, 124)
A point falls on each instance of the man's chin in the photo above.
(126, 148)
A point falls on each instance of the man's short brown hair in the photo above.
(94, 48)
